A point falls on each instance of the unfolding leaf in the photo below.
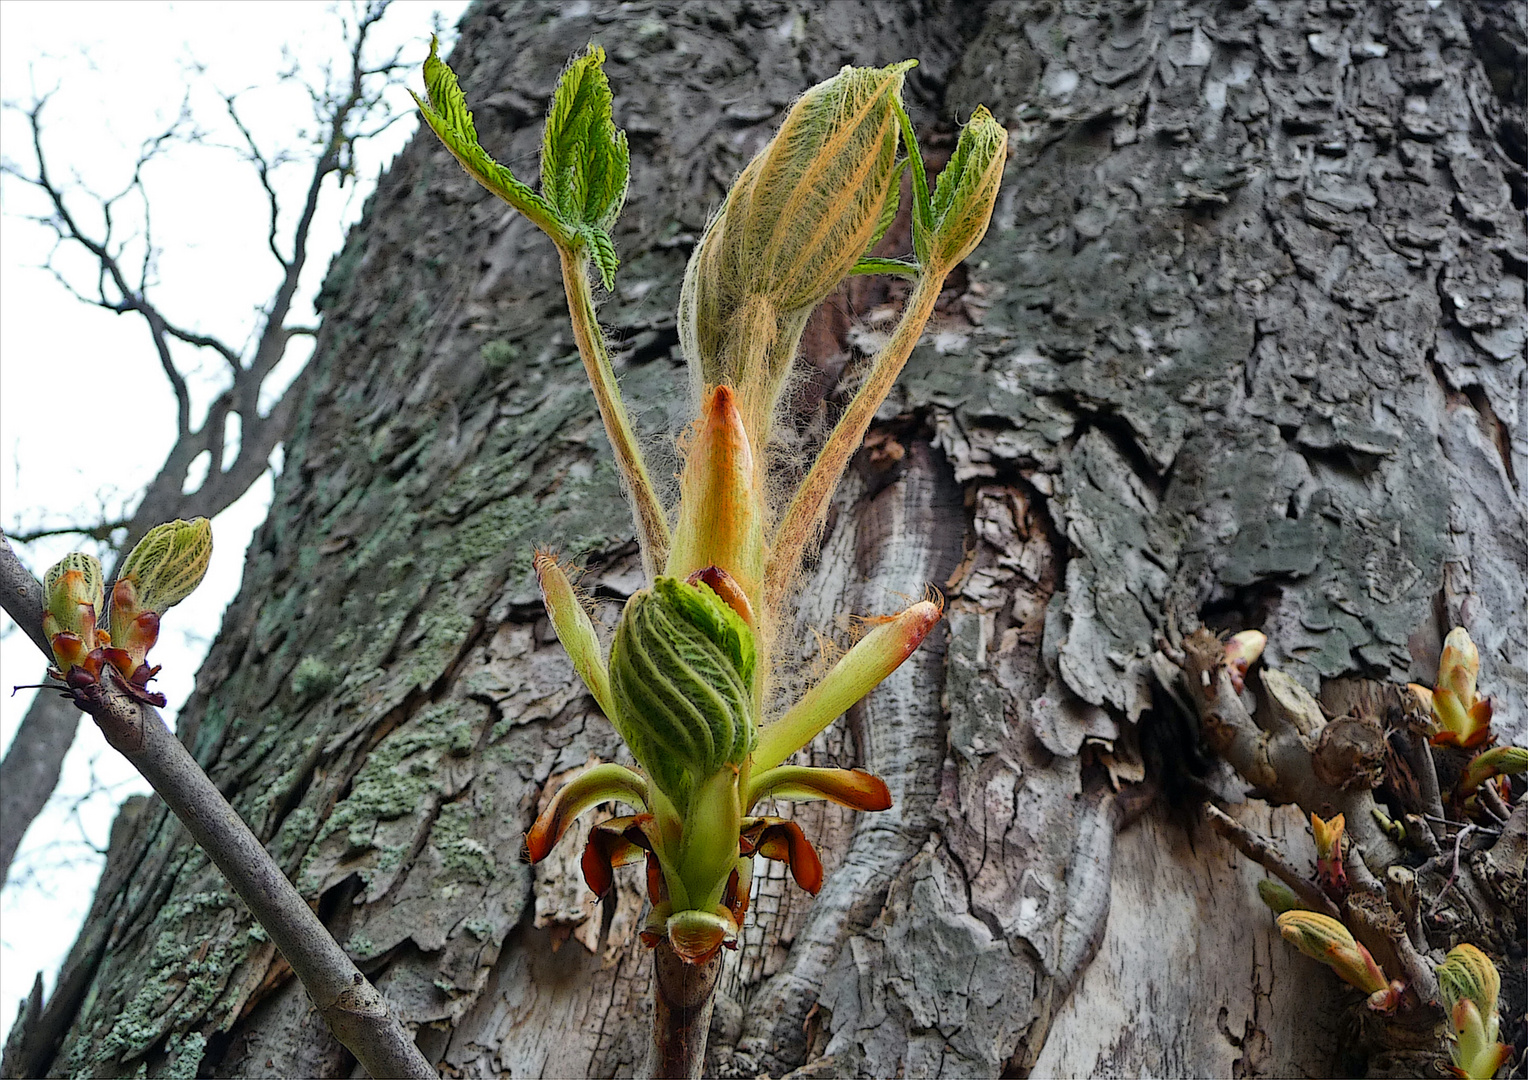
(605, 782)
(447, 114)
(854, 788)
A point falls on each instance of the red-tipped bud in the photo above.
(1323, 938)
(721, 499)
(72, 594)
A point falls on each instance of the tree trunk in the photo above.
(1243, 348)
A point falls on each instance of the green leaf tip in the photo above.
(585, 162)
(446, 112)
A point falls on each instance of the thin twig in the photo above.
(1261, 851)
(354, 1010)
(1449, 884)
(1493, 804)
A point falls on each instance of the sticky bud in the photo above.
(73, 594)
(1323, 938)
(793, 226)
(1278, 896)
(1242, 651)
(967, 190)
(681, 680)
(165, 568)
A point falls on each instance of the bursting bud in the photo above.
(793, 226)
(681, 681)
(966, 191)
(1468, 973)
(1323, 938)
(1471, 986)
(1330, 872)
(1461, 718)
(73, 594)
(1459, 666)
(165, 568)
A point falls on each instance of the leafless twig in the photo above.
(349, 106)
(1260, 850)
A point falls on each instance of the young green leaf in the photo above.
(602, 251)
(967, 188)
(872, 265)
(446, 113)
(585, 163)
(923, 216)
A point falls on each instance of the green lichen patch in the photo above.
(373, 829)
(313, 677)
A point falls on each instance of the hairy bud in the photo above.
(967, 189)
(165, 568)
(1471, 987)
(793, 226)
(169, 563)
(1323, 938)
(681, 676)
(1468, 973)
(73, 593)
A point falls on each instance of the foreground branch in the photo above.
(1260, 851)
(355, 1011)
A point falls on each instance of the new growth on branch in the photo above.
(688, 678)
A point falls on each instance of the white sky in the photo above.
(119, 72)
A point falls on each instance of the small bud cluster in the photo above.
(162, 570)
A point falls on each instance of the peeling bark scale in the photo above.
(1244, 347)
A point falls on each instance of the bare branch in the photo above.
(253, 155)
(100, 531)
(1261, 851)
